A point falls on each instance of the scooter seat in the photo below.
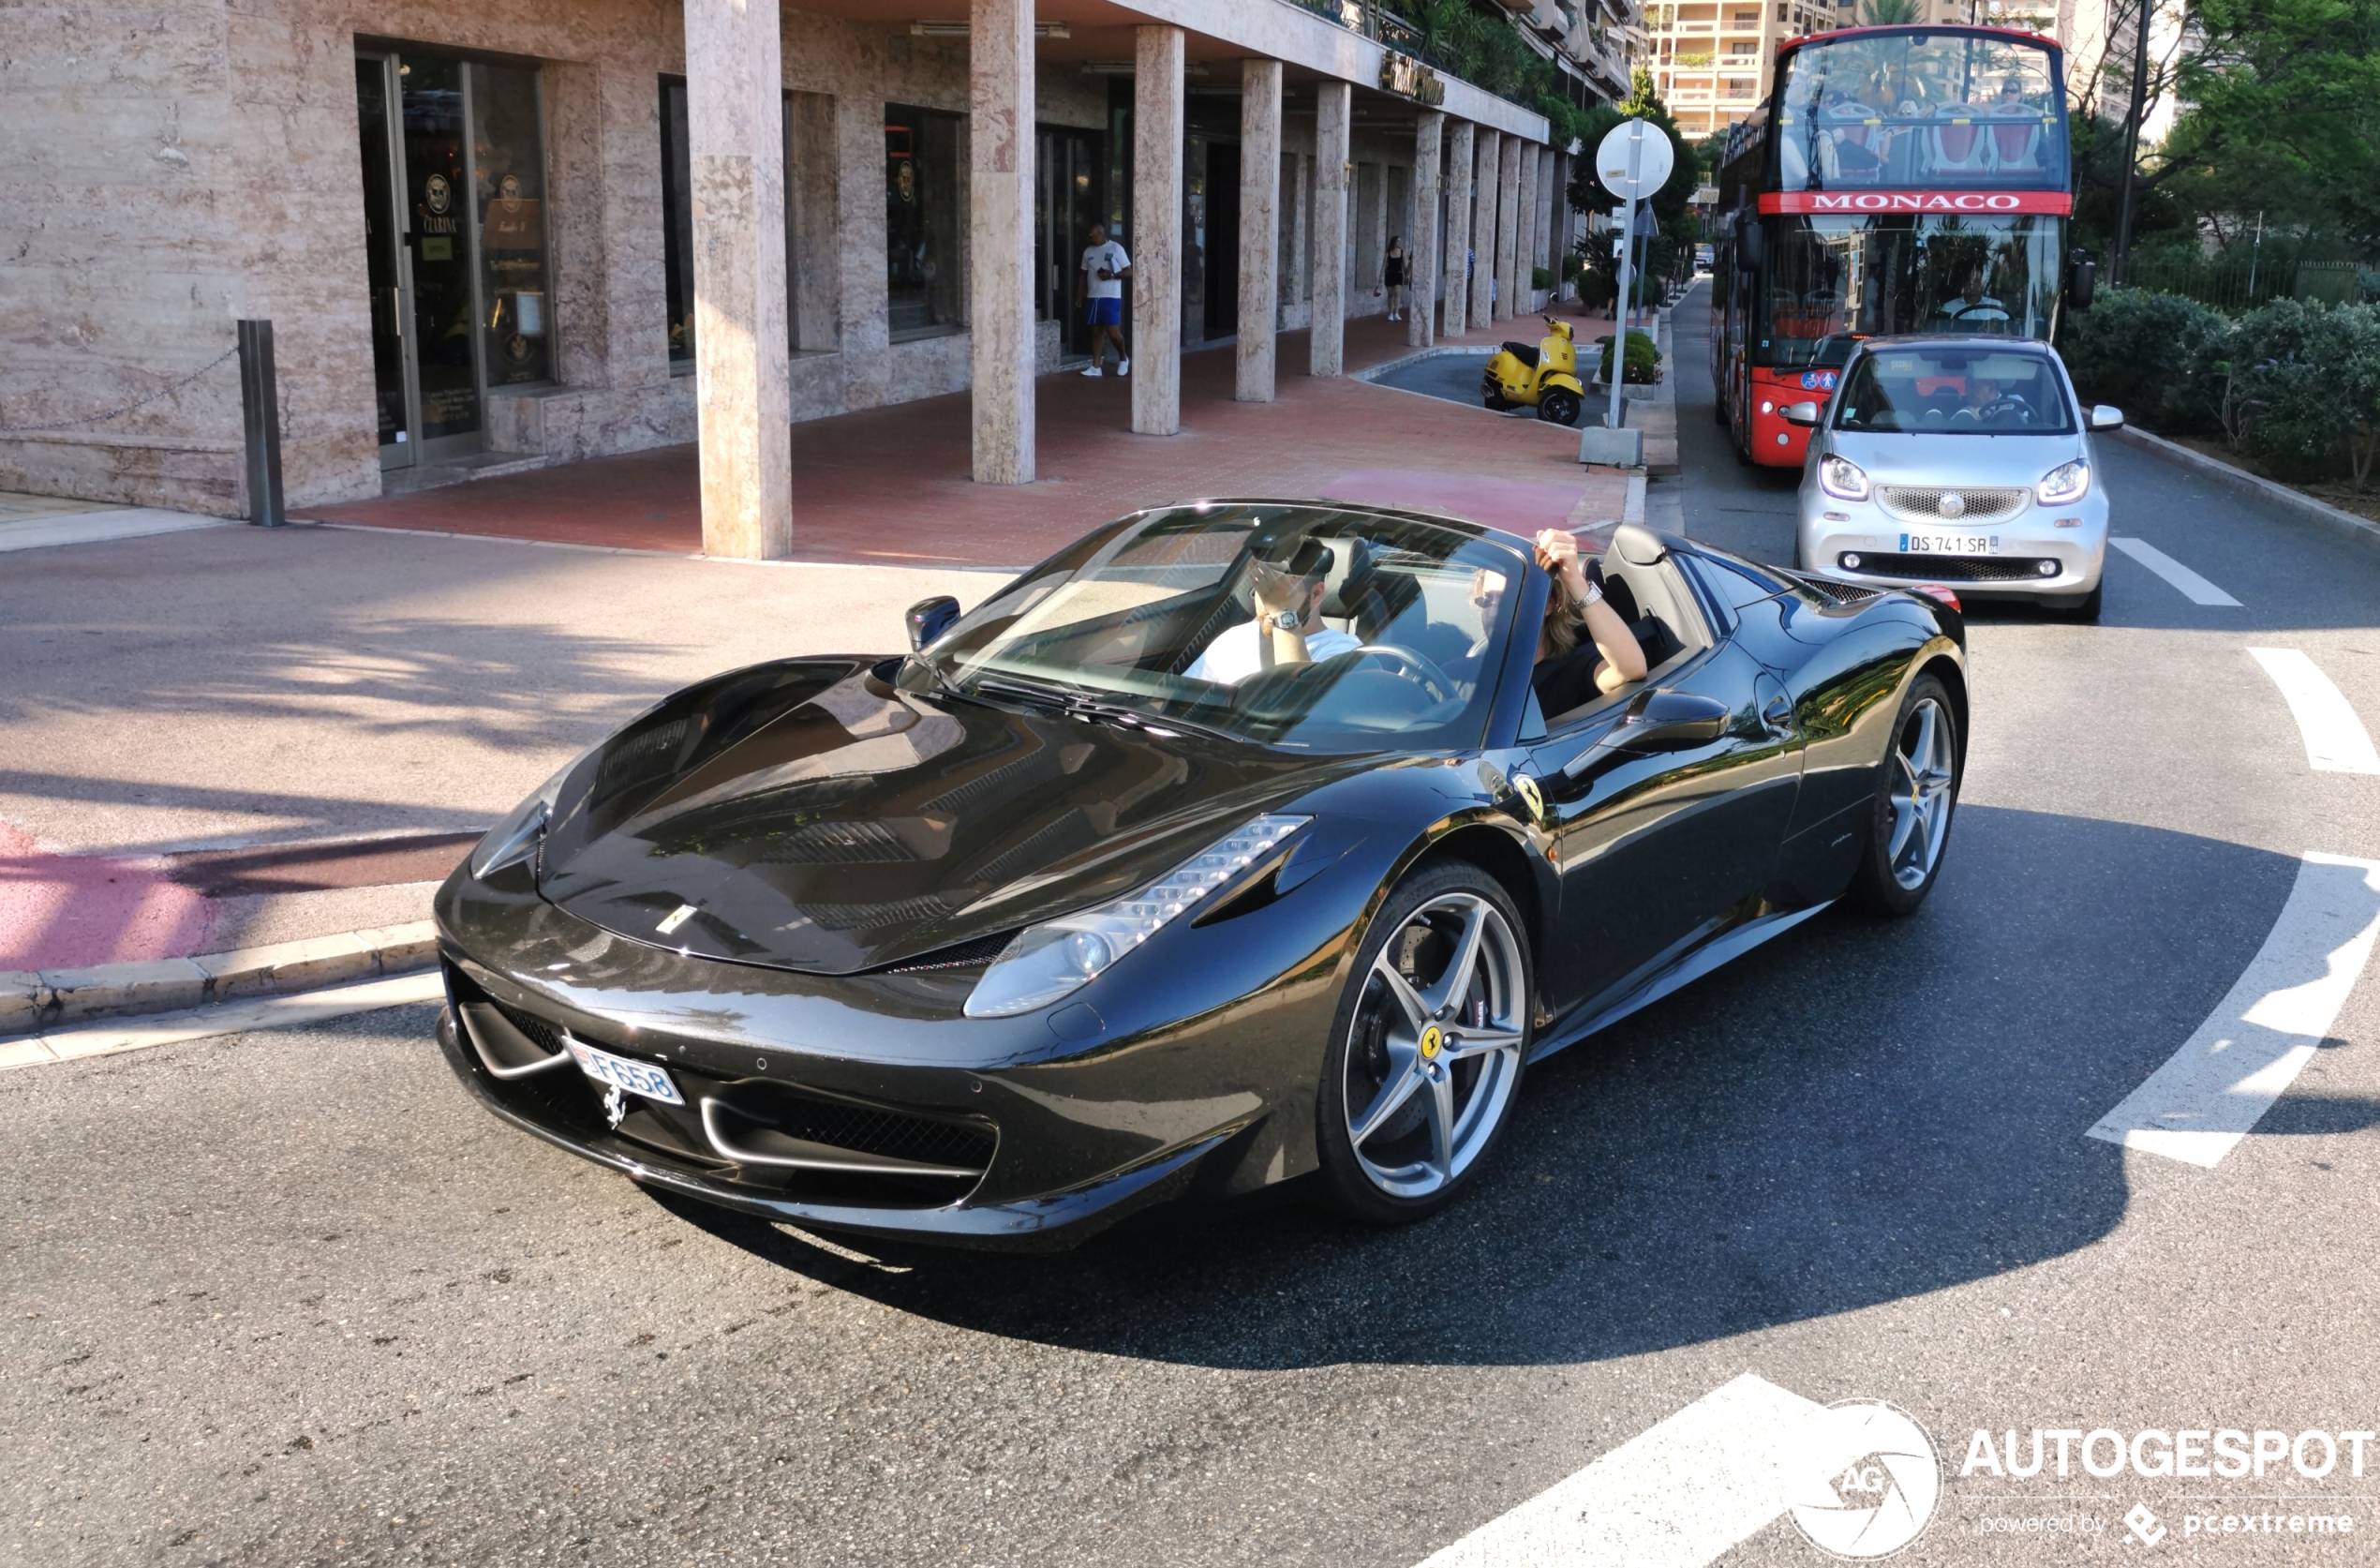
(1525, 352)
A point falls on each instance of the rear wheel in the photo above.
(1559, 406)
(1427, 1049)
(1914, 803)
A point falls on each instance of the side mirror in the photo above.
(930, 618)
(1804, 415)
(1666, 720)
(2082, 279)
(2106, 418)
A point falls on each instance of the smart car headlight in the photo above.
(516, 838)
(1842, 479)
(2065, 483)
(1046, 962)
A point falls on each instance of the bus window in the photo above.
(1874, 277)
(1914, 109)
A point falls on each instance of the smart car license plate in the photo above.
(637, 1078)
(1950, 544)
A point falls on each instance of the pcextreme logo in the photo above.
(1863, 1482)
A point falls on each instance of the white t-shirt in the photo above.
(1234, 655)
(1111, 257)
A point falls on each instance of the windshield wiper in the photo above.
(1079, 706)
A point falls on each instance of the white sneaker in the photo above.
(1123, 368)
(1094, 370)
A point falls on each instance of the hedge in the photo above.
(2294, 383)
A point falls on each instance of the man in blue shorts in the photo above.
(1099, 289)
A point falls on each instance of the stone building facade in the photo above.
(509, 233)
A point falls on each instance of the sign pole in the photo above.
(1628, 254)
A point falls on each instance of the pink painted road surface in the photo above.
(67, 911)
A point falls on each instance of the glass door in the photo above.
(455, 228)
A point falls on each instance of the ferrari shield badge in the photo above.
(1529, 792)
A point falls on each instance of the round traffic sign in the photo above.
(1634, 159)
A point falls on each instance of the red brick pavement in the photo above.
(890, 485)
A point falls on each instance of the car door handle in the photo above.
(1778, 716)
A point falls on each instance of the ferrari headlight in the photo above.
(1059, 957)
(516, 838)
(1842, 479)
(2066, 481)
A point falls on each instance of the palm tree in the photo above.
(1885, 13)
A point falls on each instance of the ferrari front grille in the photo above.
(1924, 503)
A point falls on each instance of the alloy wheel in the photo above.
(1923, 769)
(1435, 1047)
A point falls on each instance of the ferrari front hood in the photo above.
(806, 815)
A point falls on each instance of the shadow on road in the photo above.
(1861, 1113)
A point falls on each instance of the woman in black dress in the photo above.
(1392, 275)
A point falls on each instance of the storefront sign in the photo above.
(1406, 77)
(514, 223)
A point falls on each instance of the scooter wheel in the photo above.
(1558, 407)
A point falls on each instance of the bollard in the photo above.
(260, 423)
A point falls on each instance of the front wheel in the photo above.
(1913, 807)
(1427, 1046)
(1559, 406)
(2088, 611)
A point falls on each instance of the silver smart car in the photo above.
(1955, 460)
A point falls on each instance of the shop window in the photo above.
(508, 166)
(677, 230)
(925, 283)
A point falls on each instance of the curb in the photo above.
(2320, 512)
(31, 1002)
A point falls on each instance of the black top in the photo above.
(1395, 274)
(1566, 681)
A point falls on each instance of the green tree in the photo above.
(2281, 110)
(1887, 13)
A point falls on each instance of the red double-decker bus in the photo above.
(1898, 179)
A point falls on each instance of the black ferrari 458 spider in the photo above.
(1097, 897)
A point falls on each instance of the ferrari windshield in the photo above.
(1955, 390)
(1304, 626)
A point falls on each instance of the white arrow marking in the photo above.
(2197, 590)
(2212, 1091)
(1679, 1495)
(2335, 738)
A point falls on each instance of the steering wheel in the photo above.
(1420, 667)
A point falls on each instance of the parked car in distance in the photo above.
(1958, 460)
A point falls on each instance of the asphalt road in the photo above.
(292, 1298)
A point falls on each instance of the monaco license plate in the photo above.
(637, 1078)
(1950, 544)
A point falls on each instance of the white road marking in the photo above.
(2335, 738)
(108, 1035)
(2197, 590)
(2212, 1091)
(1679, 1495)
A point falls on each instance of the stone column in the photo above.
(1485, 186)
(1508, 213)
(1157, 230)
(1423, 244)
(1327, 347)
(1260, 227)
(1552, 209)
(1301, 208)
(735, 142)
(1458, 228)
(1525, 267)
(1000, 247)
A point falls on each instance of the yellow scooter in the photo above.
(1546, 376)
